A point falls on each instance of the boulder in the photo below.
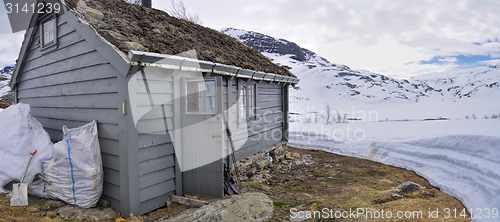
(410, 187)
(96, 214)
(241, 207)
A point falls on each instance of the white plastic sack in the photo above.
(21, 134)
(75, 169)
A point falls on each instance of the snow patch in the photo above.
(459, 157)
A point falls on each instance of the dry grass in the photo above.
(344, 183)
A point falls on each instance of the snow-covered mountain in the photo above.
(340, 82)
(5, 75)
(323, 82)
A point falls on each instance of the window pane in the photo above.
(192, 89)
(251, 100)
(243, 95)
(201, 96)
(48, 31)
(193, 97)
(208, 104)
(193, 104)
(210, 88)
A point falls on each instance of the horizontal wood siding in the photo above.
(73, 85)
(267, 128)
(154, 109)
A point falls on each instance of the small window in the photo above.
(247, 101)
(251, 101)
(200, 97)
(243, 105)
(49, 31)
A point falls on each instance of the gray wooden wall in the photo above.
(156, 158)
(263, 131)
(72, 86)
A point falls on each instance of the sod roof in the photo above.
(159, 32)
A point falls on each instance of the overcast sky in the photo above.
(391, 37)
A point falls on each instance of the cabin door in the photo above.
(202, 137)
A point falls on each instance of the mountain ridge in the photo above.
(5, 76)
(340, 82)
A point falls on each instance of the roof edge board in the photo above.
(177, 62)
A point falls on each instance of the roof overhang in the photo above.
(149, 59)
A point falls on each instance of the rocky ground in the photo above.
(308, 180)
(301, 180)
(6, 100)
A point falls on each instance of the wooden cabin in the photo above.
(161, 90)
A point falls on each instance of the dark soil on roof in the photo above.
(161, 33)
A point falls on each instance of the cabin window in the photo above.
(251, 101)
(243, 99)
(247, 101)
(48, 33)
(200, 97)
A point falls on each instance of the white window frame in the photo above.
(53, 32)
(252, 100)
(247, 94)
(200, 82)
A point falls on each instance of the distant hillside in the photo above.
(339, 82)
(5, 75)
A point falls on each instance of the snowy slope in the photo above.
(459, 157)
(5, 75)
(347, 90)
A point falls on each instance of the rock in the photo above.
(73, 3)
(410, 187)
(265, 172)
(261, 164)
(113, 37)
(90, 12)
(66, 212)
(97, 214)
(241, 207)
(258, 178)
(188, 201)
(243, 178)
(396, 196)
(50, 205)
(284, 162)
(92, 15)
(132, 46)
(244, 160)
(276, 167)
(295, 155)
(273, 155)
(104, 203)
(251, 171)
(188, 54)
